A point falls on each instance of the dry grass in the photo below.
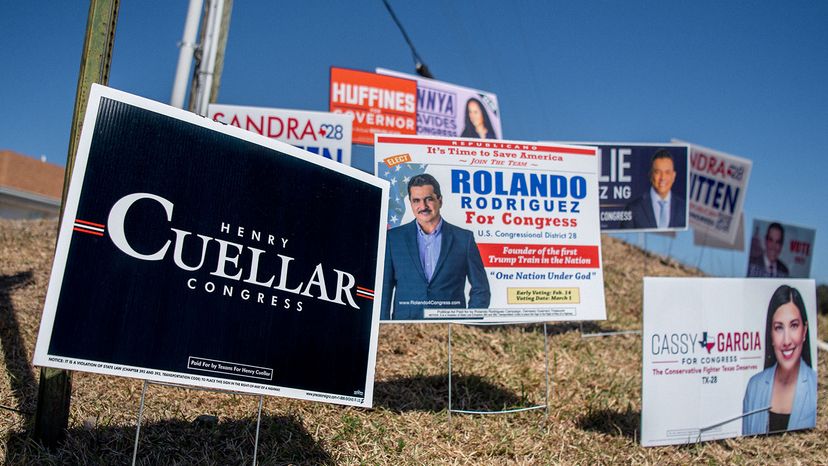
(594, 405)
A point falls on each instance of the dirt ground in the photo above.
(594, 397)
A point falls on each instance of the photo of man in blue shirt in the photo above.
(428, 260)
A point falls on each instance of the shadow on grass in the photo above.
(282, 439)
(21, 378)
(430, 393)
(617, 423)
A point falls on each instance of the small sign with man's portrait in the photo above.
(642, 187)
(780, 250)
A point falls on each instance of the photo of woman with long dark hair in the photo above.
(478, 124)
(784, 394)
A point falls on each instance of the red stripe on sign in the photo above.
(485, 145)
(364, 289)
(88, 232)
(89, 223)
(364, 296)
(547, 256)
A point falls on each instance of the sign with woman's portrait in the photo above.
(726, 357)
(445, 109)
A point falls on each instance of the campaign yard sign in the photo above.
(720, 353)
(702, 237)
(780, 250)
(718, 186)
(490, 231)
(198, 253)
(445, 109)
(378, 104)
(323, 133)
(642, 186)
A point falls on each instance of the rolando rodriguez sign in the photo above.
(201, 254)
(490, 231)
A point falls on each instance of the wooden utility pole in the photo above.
(209, 56)
(55, 388)
(224, 32)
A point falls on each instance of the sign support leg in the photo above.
(546, 360)
(140, 417)
(642, 242)
(55, 389)
(701, 255)
(644, 260)
(449, 371)
(515, 410)
(258, 425)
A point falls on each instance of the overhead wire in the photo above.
(419, 64)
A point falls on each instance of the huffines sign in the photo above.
(378, 104)
(202, 254)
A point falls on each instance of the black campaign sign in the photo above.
(197, 254)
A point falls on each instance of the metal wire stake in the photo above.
(644, 272)
(258, 424)
(140, 417)
(449, 371)
(546, 359)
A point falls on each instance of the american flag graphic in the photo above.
(398, 176)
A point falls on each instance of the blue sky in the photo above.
(747, 78)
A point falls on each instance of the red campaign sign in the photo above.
(539, 255)
(379, 104)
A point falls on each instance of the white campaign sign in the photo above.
(323, 133)
(705, 352)
(520, 222)
(702, 237)
(789, 247)
(445, 109)
(716, 194)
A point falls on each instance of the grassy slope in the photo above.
(593, 418)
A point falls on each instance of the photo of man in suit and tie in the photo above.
(766, 263)
(428, 260)
(659, 207)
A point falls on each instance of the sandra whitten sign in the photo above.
(201, 254)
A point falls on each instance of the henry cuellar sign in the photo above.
(198, 253)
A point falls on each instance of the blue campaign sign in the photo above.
(198, 253)
(642, 187)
